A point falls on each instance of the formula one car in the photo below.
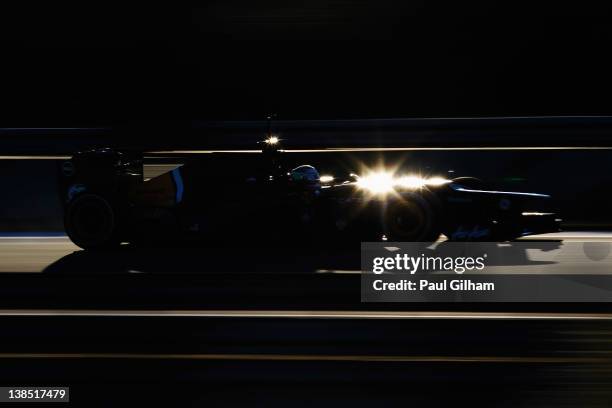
(108, 200)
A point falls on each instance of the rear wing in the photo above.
(102, 171)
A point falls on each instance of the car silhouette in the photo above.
(108, 200)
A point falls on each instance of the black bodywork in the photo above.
(108, 200)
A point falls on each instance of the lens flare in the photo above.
(383, 182)
(411, 182)
(436, 181)
(272, 140)
(377, 183)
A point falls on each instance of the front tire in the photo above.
(92, 222)
(411, 218)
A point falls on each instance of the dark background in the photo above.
(98, 64)
(101, 65)
(139, 66)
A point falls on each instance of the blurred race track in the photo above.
(322, 361)
(49, 272)
(55, 253)
(266, 327)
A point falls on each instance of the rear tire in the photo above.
(92, 222)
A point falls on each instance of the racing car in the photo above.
(108, 200)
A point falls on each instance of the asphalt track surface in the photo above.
(186, 327)
(56, 254)
(51, 273)
(208, 327)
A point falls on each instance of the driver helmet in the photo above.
(305, 174)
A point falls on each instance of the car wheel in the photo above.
(91, 222)
(411, 218)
